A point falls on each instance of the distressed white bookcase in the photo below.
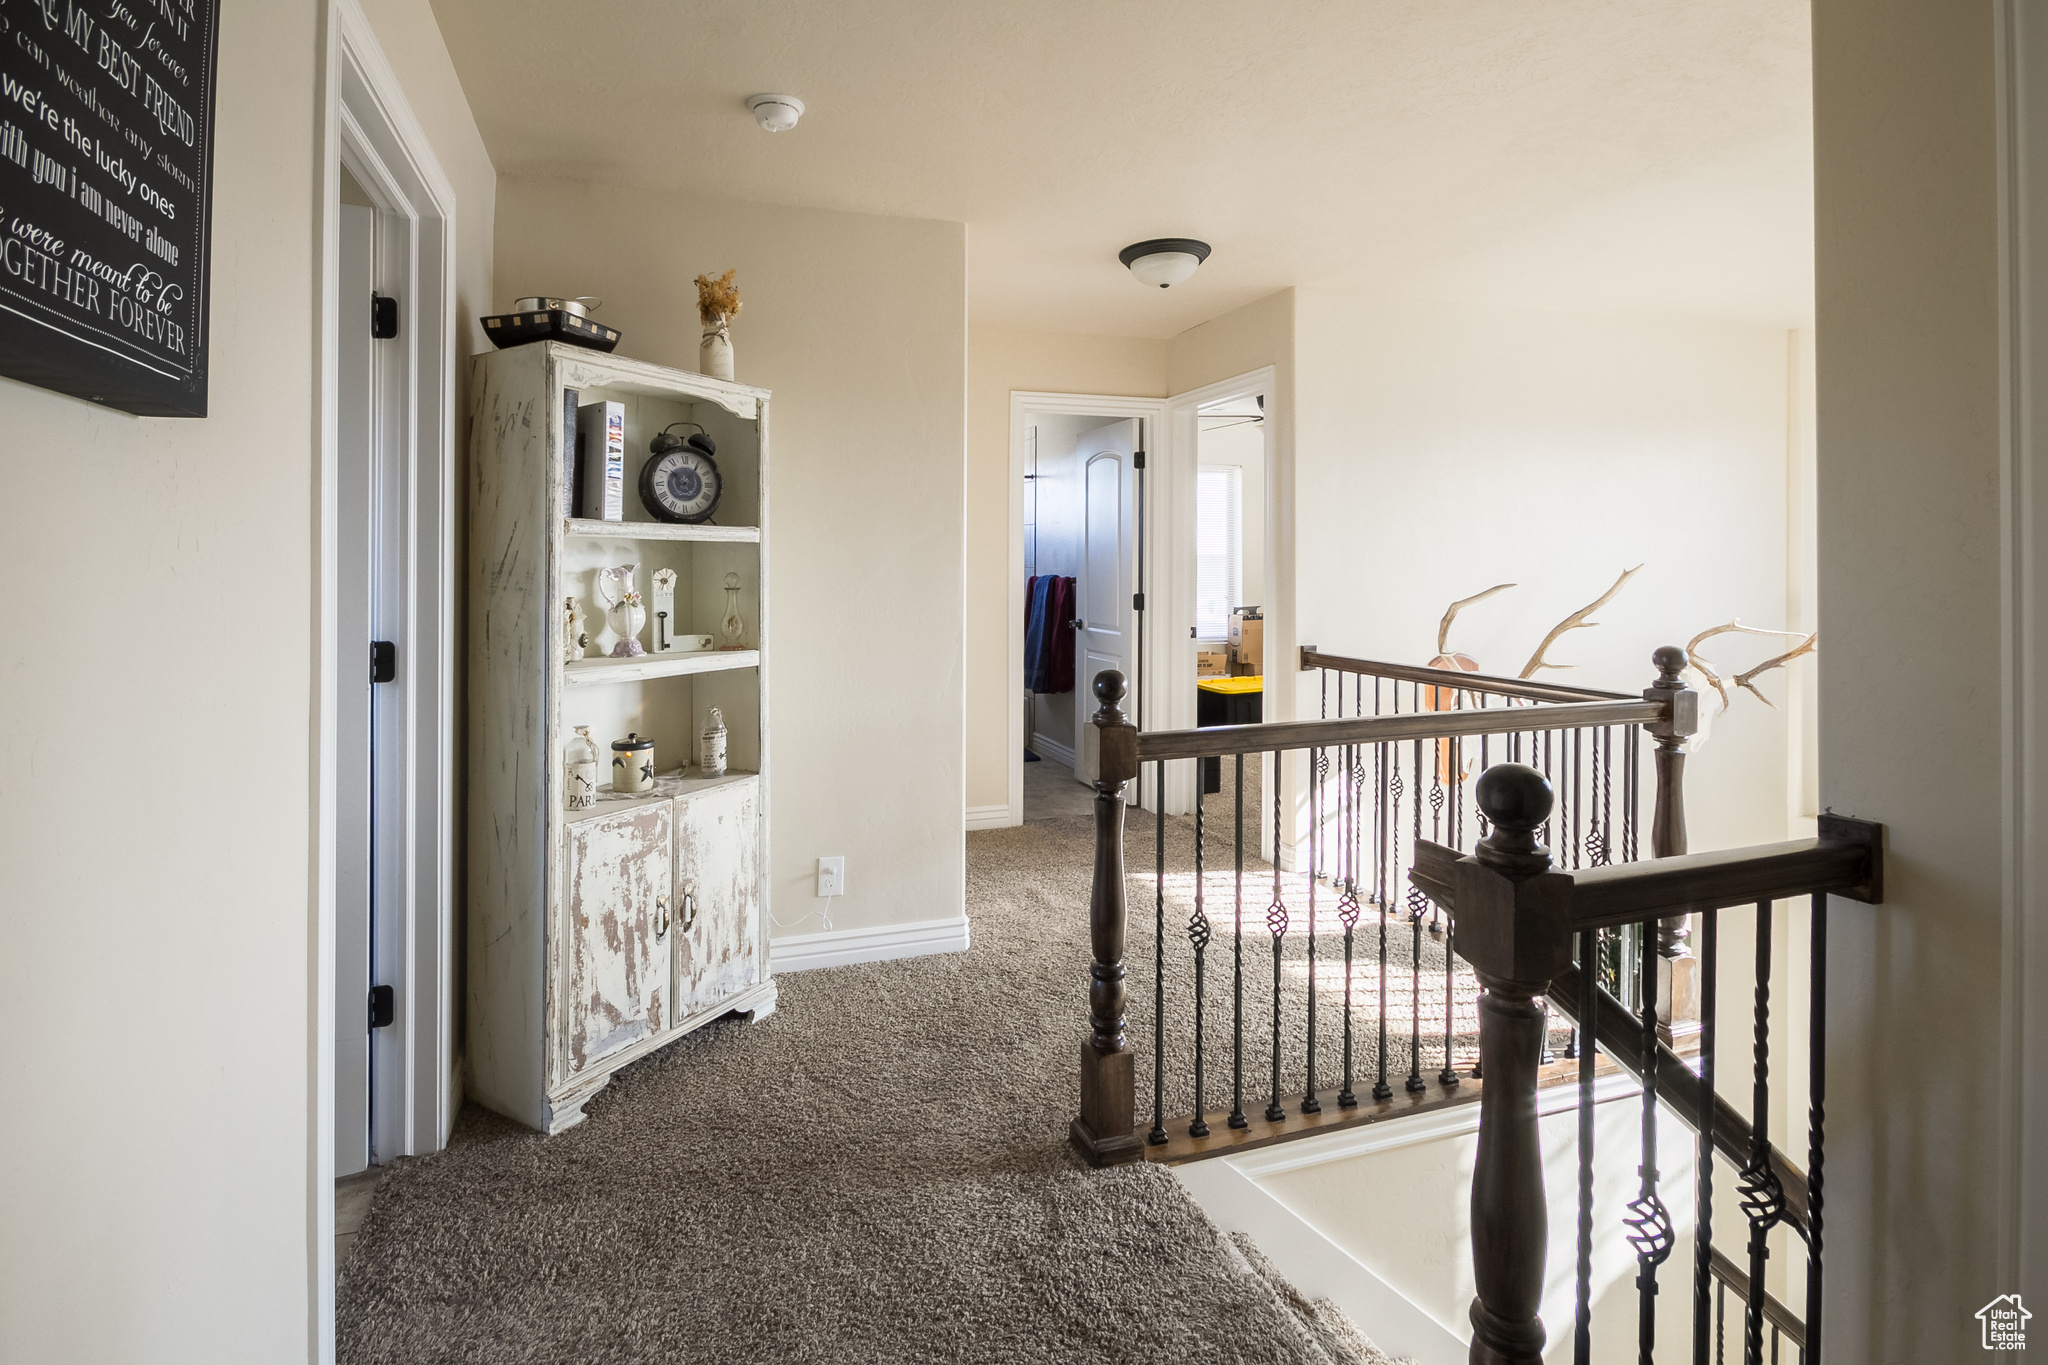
(597, 936)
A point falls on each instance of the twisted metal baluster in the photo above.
(1631, 793)
(1157, 1137)
(1382, 819)
(1816, 1115)
(1763, 1197)
(1578, 808)
(1448, 1077)
(1416, 903)
(1554, 785)
(1276, 922)
(1589, 1004)
(1703, 1212)
(1198, 937)
(1318, 763)
(1237, 1118)
(1648, 1221)
(1605, 773)
(1347, 908)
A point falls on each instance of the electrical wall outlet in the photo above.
(831, 876)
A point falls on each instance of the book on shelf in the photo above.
(572, 456)
(601, 432)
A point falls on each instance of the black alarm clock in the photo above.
(681, 483)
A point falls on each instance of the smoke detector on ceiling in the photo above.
(1164, 261)
(776, 113)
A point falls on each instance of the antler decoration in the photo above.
(1744, 680)
(1443, 630)
(1575, 621)
(1706, 668)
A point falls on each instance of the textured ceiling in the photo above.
(1598, 155)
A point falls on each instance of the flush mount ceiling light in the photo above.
(776, 113)
(1164, 260)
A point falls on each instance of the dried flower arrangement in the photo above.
(717, 300)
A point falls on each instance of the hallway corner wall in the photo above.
(158, 924)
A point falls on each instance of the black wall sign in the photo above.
(106, 198)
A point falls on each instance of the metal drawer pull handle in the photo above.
(660, 918)
(689, 910)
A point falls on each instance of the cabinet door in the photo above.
(718, 895)
(620, 881)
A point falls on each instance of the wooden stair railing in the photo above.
(1374, 766)
(1517, 920)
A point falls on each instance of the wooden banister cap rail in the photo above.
(1219, 740)
(1847, 860)
(1313, 658)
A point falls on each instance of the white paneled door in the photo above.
(1103, 619)
(371, 739)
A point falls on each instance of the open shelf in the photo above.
(667, 787)
(659, 530)
(672, 665)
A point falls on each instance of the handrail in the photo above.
(1777, 1314)
(1515, 919)
(1219, 740)
(1844, 861)
(1619, 1032)
(1313, 658)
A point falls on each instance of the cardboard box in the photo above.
(1247, 642)
(1212, 663)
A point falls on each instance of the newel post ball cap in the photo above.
(1514, 796)
(1670, 661)
(1110, 687)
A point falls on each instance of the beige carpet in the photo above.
(878, 1173)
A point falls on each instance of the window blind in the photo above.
(1219, 548)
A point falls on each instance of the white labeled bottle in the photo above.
(580, 769)
(711, 746)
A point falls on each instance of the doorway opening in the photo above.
(1077, 572)
(385, 1018)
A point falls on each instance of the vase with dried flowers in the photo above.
(718, 303)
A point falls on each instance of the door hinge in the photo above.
(382, 1006)
(383, 661)
(383, 317)
(1137, 459)
(1137, 601)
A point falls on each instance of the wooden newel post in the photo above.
(1678, 1011)
(1105, 1131)
(1514, 926)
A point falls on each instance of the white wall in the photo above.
(1911, 600)
(1441, 450)
(156, 949)
(859, 325)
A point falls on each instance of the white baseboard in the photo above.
(991, 817)
(843, 947)
(1054, 750)
(1317, 1266)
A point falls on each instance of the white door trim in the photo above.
(366, 117)
(1155, 438)
(2022, 109)
(1173, 563)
